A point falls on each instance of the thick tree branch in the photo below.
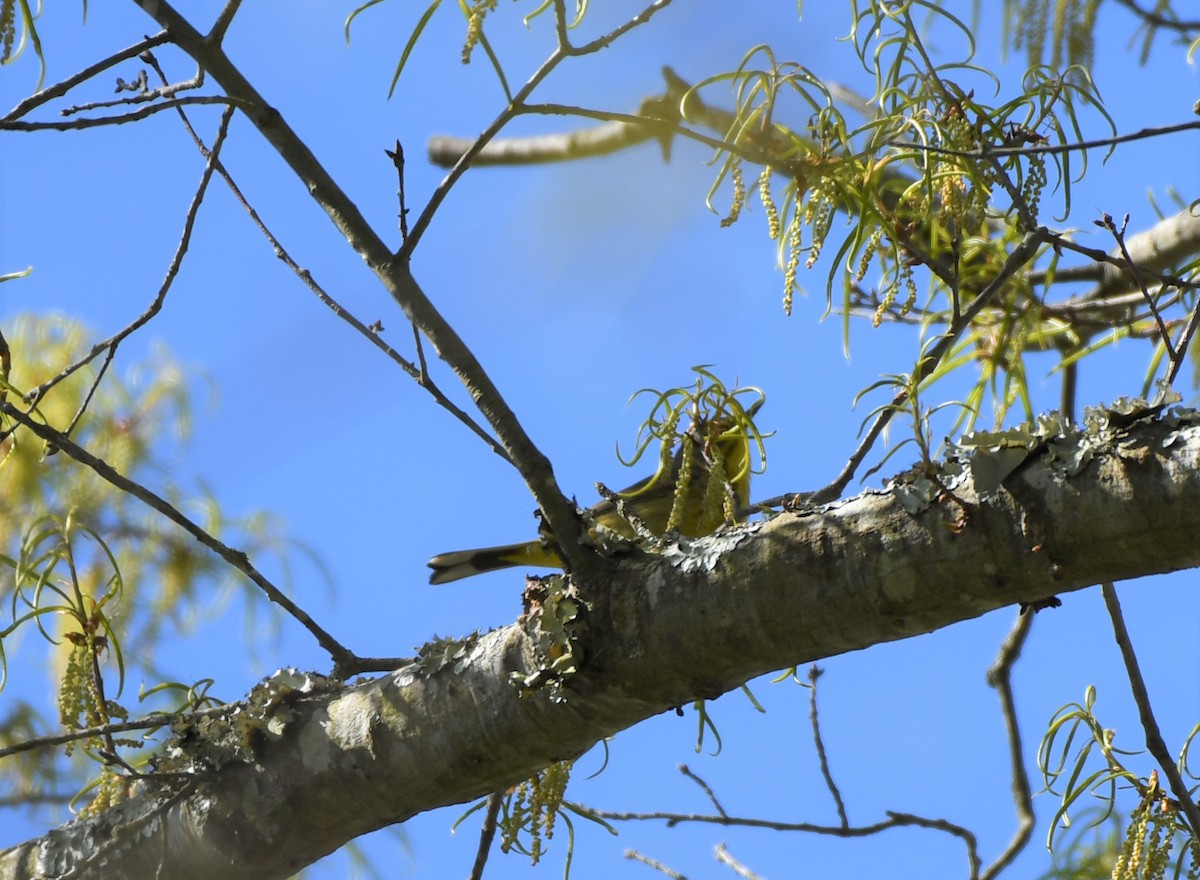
(694, 621)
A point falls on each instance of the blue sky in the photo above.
(576, 285)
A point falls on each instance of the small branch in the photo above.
(815, 672)
(1183, 343)
(397, 157)
(45, 742)
(894, 820)
(173, 268)
(999, 676)
(487, 834)
(391, 269)
(1021, 254)
(620, 30)
(1158, 20)
(1154, 740)
(516, 105)
(97, 121)
(1106, 222)
(656, 865)
(59, 89)
(704, 786)
(87, 398)
(368, 332)
(144, 94)
(997, 152)
(217, 33)
(726, 858)
(236, 558)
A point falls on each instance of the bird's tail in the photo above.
(465, 563)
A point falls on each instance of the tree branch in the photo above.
(452, 727)
(1154, 740)
(393, 271)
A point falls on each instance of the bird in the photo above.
(719, 448)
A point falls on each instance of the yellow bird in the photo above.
(716, 471)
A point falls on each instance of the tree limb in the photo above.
(691, 622)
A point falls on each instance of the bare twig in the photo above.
(705, 787)
(723, 856)
(653, 863)
(144, 94)
(487, 834)
(60, 88)
(36, 394)
(370, 332)
(515, 107)
(217, 33)
(1106, 222)
(1157, 19)
(97, 121)
(1183, 343)
(397, 157)
(894, 820)
(1154, 740)
(345, 662)
(815, 672)
(87, 398)
(999, 676)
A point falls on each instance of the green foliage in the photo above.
(95, 574)
(23, 26)
(529, 814)
(935, 177)
(1066, 24)
(475, 12)
(1088, 850)
(1077, 753)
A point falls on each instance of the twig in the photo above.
(217, 33)
(61, 88)
(44, 742)
(1035, 149)
(815, 672)
(1154, 741)
(487, 834)
(144, 95)
(1106, 222)
(894, 820)
(656, 865)
(36, 394)
(87, 398)
(723, 856)
(704, 786)
(1019, 256)
(1184, 342)
(397, 157)
(345, 662)
(97, 121)
(369, 332)
(1158, 20)
(516, 106)
(999, 676)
